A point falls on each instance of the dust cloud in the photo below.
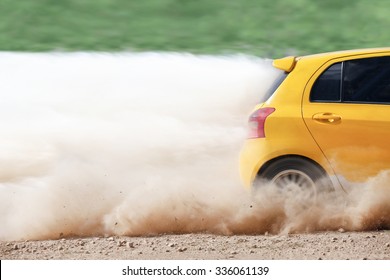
(144, 144)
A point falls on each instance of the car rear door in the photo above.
(346, 107)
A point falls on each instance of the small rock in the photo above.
(16, 247)
(129, 244)
(387, 245)
(182, 249)
(334, 239)
(364, 258)
(341, 230)
(171, 245)
(60, 248)
(266, 233)
(110, 239)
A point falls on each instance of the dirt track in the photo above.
(328, 245)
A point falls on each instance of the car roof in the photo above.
(346, 53)
(287, 64)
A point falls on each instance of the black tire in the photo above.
(294, 174)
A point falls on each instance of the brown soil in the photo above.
(328, 245)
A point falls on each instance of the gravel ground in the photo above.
(328, 245)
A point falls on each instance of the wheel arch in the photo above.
(291, 156)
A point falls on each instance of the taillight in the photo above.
(256, 122)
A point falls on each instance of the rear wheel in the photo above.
(295, 177)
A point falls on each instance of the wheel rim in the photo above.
(297, 184)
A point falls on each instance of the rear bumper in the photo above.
(254, 154)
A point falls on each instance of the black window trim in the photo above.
(342, 83)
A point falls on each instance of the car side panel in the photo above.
(357, 144)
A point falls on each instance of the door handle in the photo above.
(329, 118)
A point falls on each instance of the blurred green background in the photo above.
(269, 28)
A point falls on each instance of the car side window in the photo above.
(367, 80)
(364, 80)
(327, 88)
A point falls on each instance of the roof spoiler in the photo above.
(286, 64)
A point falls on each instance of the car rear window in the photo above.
(278, 81)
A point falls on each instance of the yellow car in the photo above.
(326, 116)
